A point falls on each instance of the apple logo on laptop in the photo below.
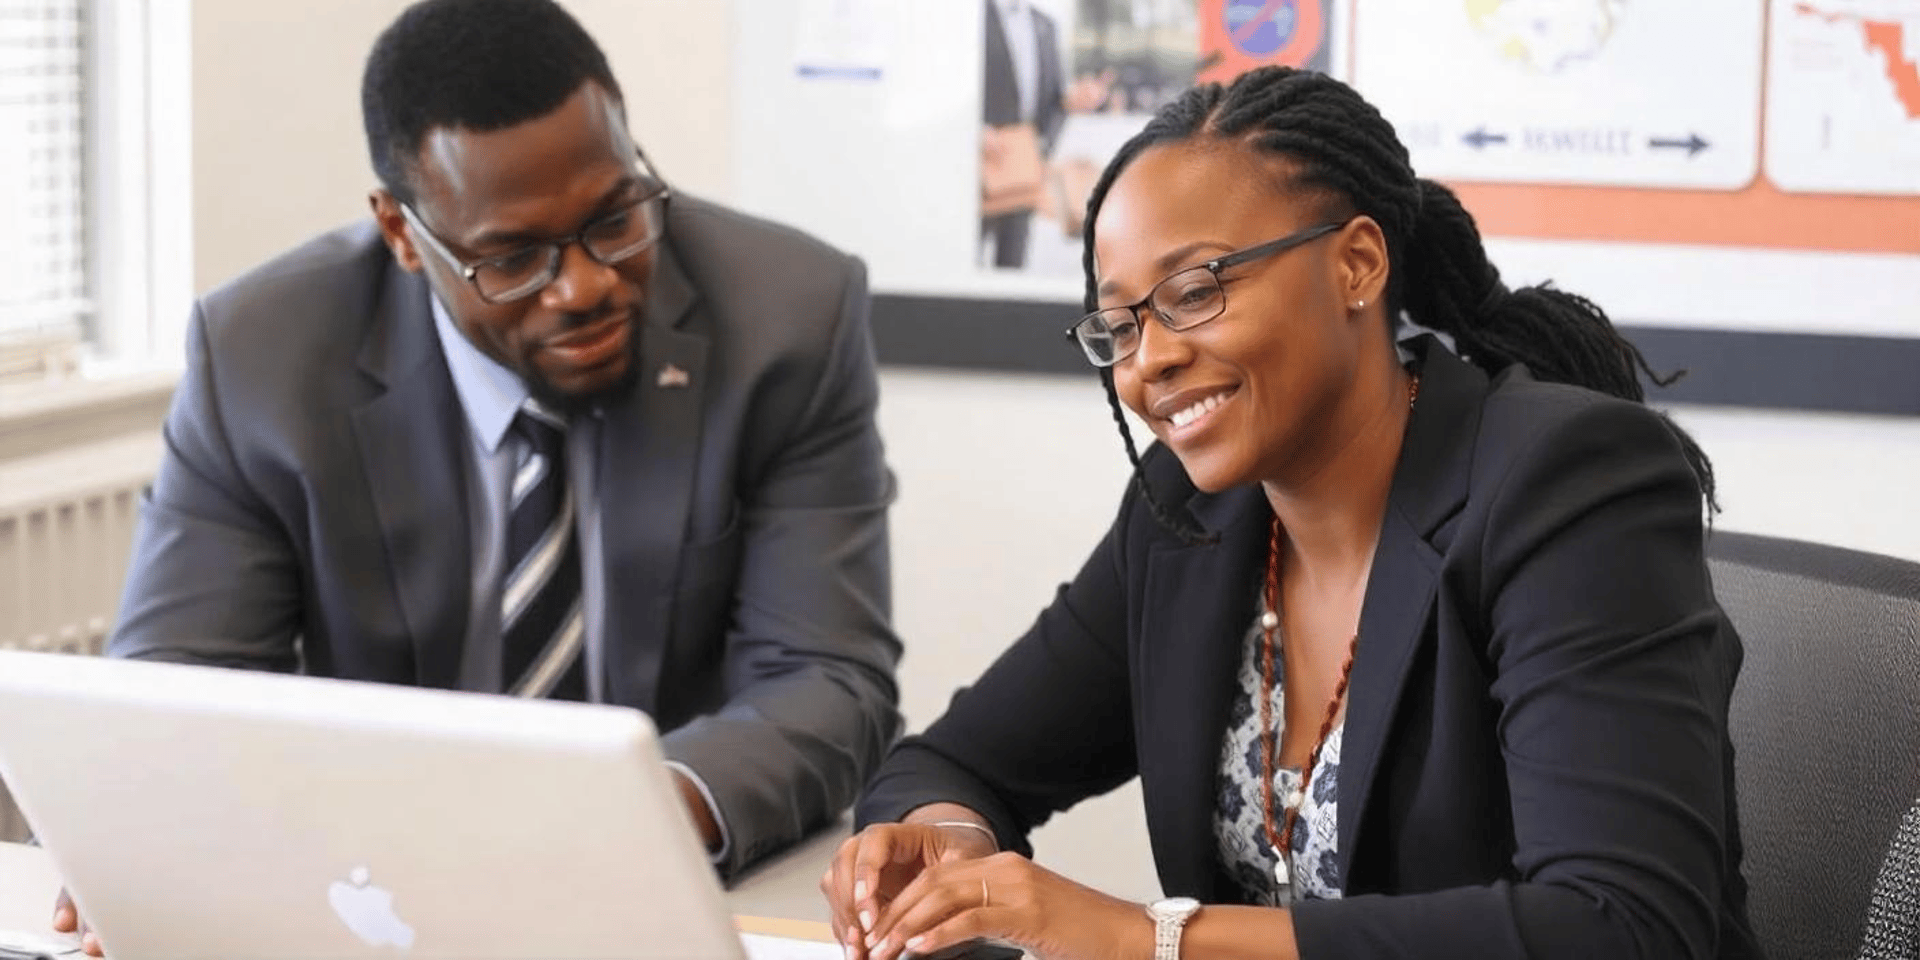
(367, 910)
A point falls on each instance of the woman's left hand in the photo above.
(1009, 897)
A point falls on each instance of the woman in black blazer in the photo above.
(1441, 629)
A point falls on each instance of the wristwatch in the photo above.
(1170, 916)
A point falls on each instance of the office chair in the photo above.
(1826, 732)
(1893, 916)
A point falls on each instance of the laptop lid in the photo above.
(211, 813)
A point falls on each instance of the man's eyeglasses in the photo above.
(609, 239)
(1182, 301)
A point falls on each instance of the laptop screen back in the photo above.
(209, 813)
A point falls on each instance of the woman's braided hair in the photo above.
(1340, 147)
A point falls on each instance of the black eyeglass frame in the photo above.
(1258, 251)
(556, 249)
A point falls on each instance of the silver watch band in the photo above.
(1166, 936)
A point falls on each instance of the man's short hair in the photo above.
(473, 65)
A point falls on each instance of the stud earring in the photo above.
(1359, 305)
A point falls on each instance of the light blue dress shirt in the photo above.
(491, 395)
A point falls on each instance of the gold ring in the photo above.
(984, 899)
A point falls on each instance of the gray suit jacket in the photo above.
(310, 512)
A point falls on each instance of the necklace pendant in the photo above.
(1281, 875)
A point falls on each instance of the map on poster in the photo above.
(1843, 96)
(1568, 91)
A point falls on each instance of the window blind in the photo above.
(44, 289)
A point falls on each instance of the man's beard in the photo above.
(571, 405)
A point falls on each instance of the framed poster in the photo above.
(1739, 181)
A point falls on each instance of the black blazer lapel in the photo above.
(1429, 487)
(1185, 681)
(1393, 622)
(410, 448)
(649, 451)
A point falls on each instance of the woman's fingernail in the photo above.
(866, 920)
(859, 889)
(915, 943)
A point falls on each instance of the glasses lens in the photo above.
(517, 274)
(625, 233)
(1189, 298)
(1108, 336)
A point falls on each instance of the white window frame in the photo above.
(140, 184)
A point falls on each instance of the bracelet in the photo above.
(970, 825)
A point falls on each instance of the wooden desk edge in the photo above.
(791, 929)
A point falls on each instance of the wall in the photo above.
(278, 151)
(1846, 480)
(1006, 481)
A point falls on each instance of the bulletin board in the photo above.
(1736, 182)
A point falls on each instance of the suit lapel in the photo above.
(410, 438)
(1429, 486)
(1392, 622)
(1189, 656)
(648, 453)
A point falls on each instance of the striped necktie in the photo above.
(542, 626)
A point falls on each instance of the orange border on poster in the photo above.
(1761, 215)
(1758, 215)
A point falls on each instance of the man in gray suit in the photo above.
(542, 427)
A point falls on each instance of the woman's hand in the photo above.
(874, 865)
(1008, 897)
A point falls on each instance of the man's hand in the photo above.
(66, 919)
(703, 817)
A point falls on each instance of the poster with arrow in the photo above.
(1578, 92)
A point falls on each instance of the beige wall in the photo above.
(277, 150)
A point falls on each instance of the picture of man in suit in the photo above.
(1022, 109)
(542, 426)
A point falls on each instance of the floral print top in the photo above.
(1239, 817)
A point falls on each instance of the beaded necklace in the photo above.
(1280, 835)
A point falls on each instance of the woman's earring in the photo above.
(1359, 305)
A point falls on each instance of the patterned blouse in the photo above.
(1239, 817)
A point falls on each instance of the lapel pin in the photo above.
(672, 376)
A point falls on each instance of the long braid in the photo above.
(1342, 151)
(1176, 121)
(1562, 337)
(1180, 524)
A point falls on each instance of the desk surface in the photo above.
(786, 887)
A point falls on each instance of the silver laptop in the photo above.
(228, 815)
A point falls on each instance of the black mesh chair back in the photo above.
(1826, 732)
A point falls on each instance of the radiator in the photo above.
(66, 526)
